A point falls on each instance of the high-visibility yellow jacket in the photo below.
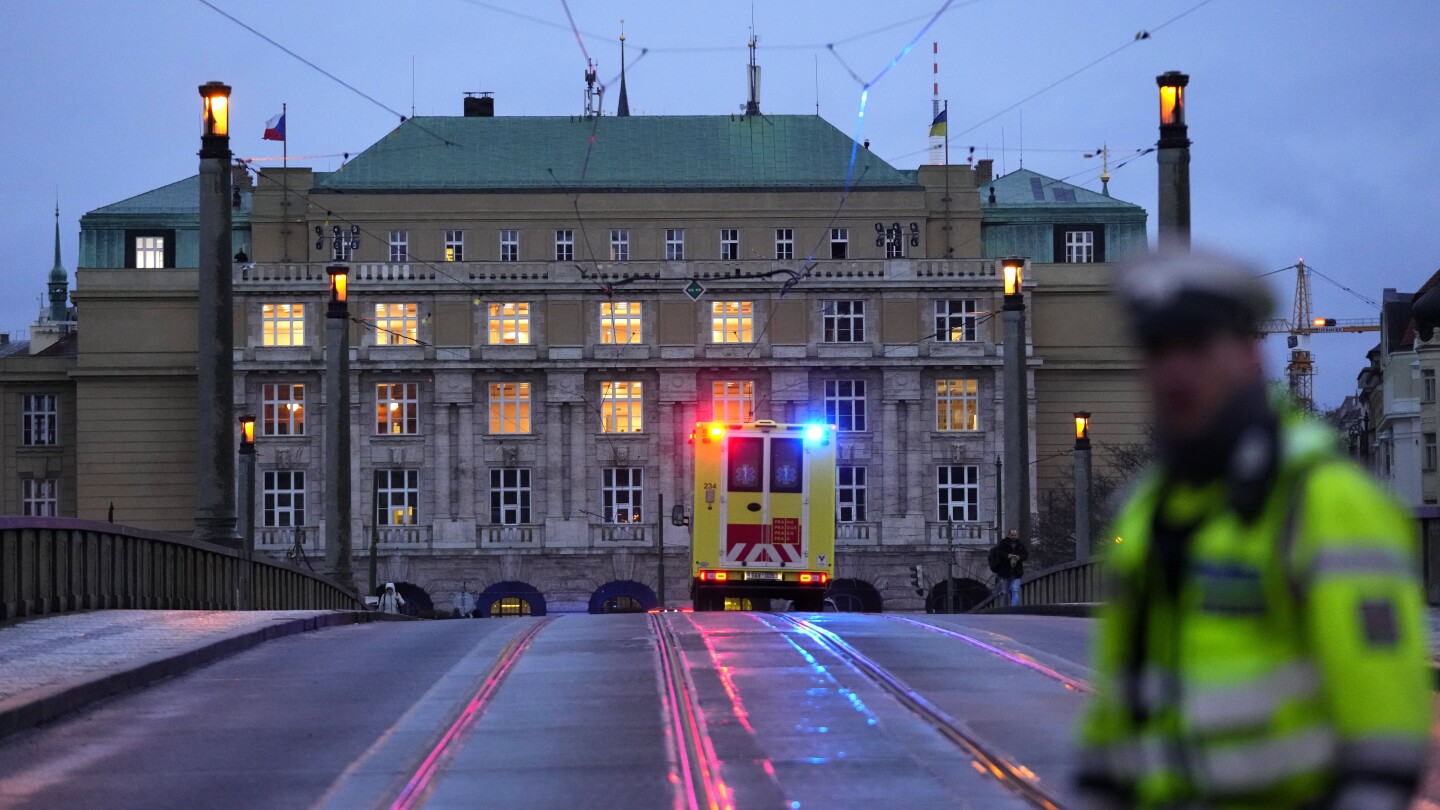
(1292, 661)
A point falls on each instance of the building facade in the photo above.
(542, 309)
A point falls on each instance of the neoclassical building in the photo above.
(544, 307)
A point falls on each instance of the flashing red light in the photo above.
(654, 610)
(687, 610)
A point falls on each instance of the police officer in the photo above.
(1265, 645)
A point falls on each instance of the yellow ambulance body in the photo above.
(763, 520)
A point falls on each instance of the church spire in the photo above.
(59, 280)
(622, 109)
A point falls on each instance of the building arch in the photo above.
(623, 596)
(417, 599)
(968, 594)
(854, 596)
(510, 598)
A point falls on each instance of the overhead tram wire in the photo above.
(1143, 35)
(322, 71)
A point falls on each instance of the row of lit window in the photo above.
(622, 406)
(843, 321)
(622, 495)
(453, 245)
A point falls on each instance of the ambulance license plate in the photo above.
(772, 576)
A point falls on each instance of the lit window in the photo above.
(784, 243)
(149, 252)
(732, 322)
(509, 246)
(957, 320)
(619, 245)
(675, 244)
(1079, 247)
(622, 494)
(620, 322)
(850, 486)
(39, 497)
(957, 405)
(509, 606)
(39, 420)
(839, 243)
(284, 498)
(845, 404)
(399, 246)
(282, 324)
(397, 409)
(621, 407)
(397, 324)
(454, 246)
(283, 409)
(509, 407)
(844, 321)
(510, 497)
(509, 323)
(397, 497)
(732, 401)
(958, 490)
(564, 246)
(730, 244)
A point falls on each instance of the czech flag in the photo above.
(937, 127)
(275, 128)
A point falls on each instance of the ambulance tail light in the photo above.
(814, 578)
(714, 576)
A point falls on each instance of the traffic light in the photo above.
(915, 579)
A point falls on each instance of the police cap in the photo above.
(1190, 298)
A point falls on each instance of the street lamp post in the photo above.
(337, 427)
(1173, 156)
(246, 512)
(1016, 403)
(214, 361)
(1082, 486)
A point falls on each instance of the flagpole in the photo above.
(284, 165)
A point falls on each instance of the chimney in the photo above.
(984, 171)
(479, 106)
(239, 176)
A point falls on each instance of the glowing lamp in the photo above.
(721, 576)
(247, 433)
(805, 579)
(339, 283)
(1014, 272)
(1172, 98)
(815, 433)
(216, 106)
(714, 432)
(1324, 321)
(1082, 426)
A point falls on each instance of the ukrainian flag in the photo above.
(937, 127)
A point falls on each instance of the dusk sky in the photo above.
(1314, 122)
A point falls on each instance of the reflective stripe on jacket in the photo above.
(1287, 661)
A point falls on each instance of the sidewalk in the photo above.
(55, 665)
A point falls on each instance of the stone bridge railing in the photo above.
(54, 565)
(1067, 583)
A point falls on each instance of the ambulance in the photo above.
(763, 515)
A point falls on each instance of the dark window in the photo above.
(747, 464)
(787, 466)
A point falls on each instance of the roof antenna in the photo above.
(592, 93)
(817, 85)
(412, 85)
(752, 104)
(1022, 138)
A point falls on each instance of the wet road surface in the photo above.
(674, 710)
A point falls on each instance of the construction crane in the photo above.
(1300, 371)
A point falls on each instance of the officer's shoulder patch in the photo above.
(1377, 619)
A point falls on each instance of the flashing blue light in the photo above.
(815, 433)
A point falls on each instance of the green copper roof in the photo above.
(180, 197)
(639, 152)
(1027, 189)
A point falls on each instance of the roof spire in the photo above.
(622, 109)
(59, 285)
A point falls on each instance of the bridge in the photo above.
(667, 709)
